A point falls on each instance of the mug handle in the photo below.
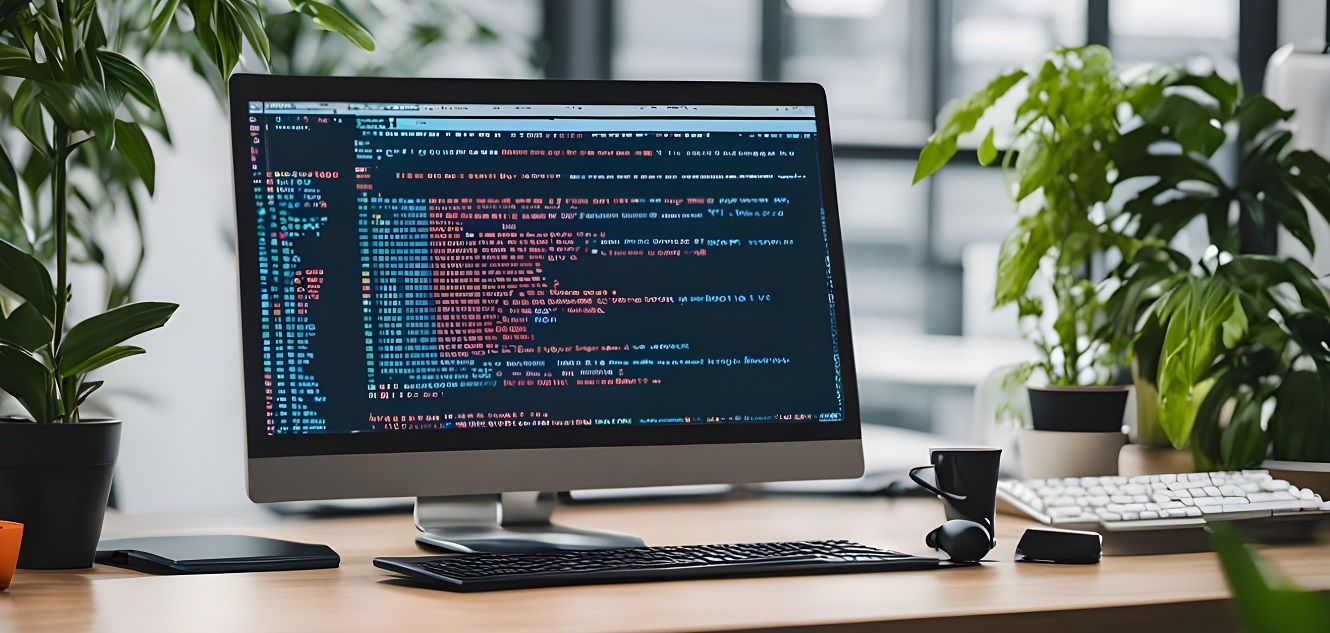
(930, 487)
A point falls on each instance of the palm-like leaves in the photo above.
(75, 94)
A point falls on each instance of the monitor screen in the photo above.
(441, 269)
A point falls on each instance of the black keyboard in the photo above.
(490, 572)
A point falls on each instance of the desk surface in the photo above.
(1140, 592)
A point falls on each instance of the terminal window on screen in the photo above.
(424, 267)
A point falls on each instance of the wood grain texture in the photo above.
(1137, 594)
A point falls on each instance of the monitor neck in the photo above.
(507, 522)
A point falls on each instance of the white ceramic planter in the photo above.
(1047, 454)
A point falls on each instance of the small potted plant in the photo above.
(1061, 177)
(70, 91)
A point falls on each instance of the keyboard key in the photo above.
(1269, 496)
(1187, 485)
(1292, 504)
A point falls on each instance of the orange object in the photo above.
(11, 535)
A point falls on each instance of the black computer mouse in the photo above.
(961, 540)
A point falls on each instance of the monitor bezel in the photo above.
(245, 88)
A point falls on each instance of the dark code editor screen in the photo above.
(426, 266)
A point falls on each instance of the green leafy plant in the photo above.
(79, 100)
(1061, 175)
(1267, 601)
(1224, 335)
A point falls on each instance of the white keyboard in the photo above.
(1159, 501)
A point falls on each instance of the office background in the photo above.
(918, 258)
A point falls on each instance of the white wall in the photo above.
(182, 444)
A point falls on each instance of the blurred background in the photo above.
(920, 258)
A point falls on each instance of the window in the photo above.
(888, 67)
(687, 39)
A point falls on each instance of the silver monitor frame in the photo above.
(446, 482)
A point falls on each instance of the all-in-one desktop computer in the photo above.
(479, 293)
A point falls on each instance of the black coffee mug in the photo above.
(966, 482)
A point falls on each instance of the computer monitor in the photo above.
(476, 287)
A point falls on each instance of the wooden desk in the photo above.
(1177, 592)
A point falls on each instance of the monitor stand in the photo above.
(510, 522)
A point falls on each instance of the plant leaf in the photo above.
(23, 275)
(1312, 333)
(1235, 326)
(1256, 114)
(134, 147)
(1018, 259)
(1267, 601)
(249, 19)
(81, 108)
(987, 151)
(27, 117)
(96, 334)
(86, 390)
(331, 19)
(1244, 443)
(9, 192)
(1191, 124)
(101, 359)
(959, 117)
(26, 328)
(129, 76)
(932, 157)
(26, 379)
(16, 62)
(1300, 426)
(163, 11)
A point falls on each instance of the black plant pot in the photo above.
(55, 480)
(1078, 409)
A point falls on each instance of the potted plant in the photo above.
(70, 90)
(1061, 178)
(1236, 329)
